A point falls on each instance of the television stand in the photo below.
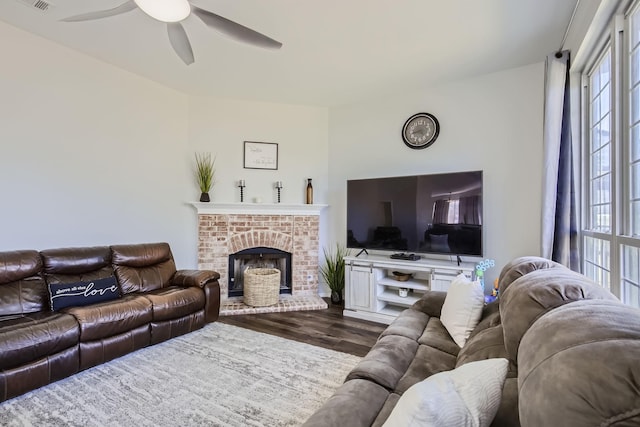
(372, 290)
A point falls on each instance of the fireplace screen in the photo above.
(258, 258)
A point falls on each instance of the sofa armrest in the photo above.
(212, 301)
(430, 303)
(197, 278)
(207, 280)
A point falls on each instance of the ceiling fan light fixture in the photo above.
(165, 10)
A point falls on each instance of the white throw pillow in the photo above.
(462, 308)
(467, 396)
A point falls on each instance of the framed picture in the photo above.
(260, 155)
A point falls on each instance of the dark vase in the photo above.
(336, 298)
(204, 197)
(309, 192)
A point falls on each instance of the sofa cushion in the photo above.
(111, 318)
(487, 344)
(386, 410)
(427, 361)
(17, 265)
(387, 361)
(587, 369)
(490, 318)
(355, 403)
(28, 338)
(518, 267)
(536, 293)
(143, 267)
(174, 302)
(435, 335)
(79, 294)
(467, 396)
(75, 265)
(410, 323)
(507, 415)
(22, 289)
(430, 303)
(75, 261)
(462, 308)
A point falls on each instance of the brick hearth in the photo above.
(227, 229)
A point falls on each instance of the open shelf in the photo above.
(417, 284)
(393, 297)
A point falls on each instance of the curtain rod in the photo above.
(566, 32)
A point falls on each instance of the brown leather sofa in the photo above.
(157, 302)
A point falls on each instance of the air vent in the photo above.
(41, 5)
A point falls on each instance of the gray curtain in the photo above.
(559, 207)
(467, 209)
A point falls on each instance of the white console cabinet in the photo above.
(372, 292)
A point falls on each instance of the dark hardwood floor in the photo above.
(322, 328)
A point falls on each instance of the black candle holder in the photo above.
(279, 188)
(241, 186)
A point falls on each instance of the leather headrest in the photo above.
(141, 255)
(16, 265)
(75, 260)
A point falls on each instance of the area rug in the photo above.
(220, 375)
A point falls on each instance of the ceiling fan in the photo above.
(172, 12)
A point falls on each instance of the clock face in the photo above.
(420, 130)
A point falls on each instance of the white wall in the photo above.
(221, 126)
(93, 155)
(90, 154)
(491, 123)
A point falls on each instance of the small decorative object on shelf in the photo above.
(309, 192)
(241, 185)
(279, 188)
(481, 267)
(494, 293)
(403, 292)
(400, 276)
(204, 173)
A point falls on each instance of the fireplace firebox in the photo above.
(260, 257)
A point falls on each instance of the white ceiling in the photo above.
(335, 51)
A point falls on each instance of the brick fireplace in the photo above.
(226, 229)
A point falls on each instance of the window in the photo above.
(611, 163)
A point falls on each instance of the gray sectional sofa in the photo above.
(573, 351)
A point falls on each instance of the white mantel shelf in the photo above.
(257, 208)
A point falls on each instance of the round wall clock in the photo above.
(420, 130)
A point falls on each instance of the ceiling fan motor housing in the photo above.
(165, 10)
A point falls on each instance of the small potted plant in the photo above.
(332, 271)
(204, 173)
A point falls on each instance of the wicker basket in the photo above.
(261, 286)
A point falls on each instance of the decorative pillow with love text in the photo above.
(77, 294)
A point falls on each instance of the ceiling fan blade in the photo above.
(180, 42)
(123, 8)
(234, 30)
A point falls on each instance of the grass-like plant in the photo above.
(332, 270)
(205, 171)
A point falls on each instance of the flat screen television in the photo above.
(437, 213)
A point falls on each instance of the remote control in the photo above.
(408, 257)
